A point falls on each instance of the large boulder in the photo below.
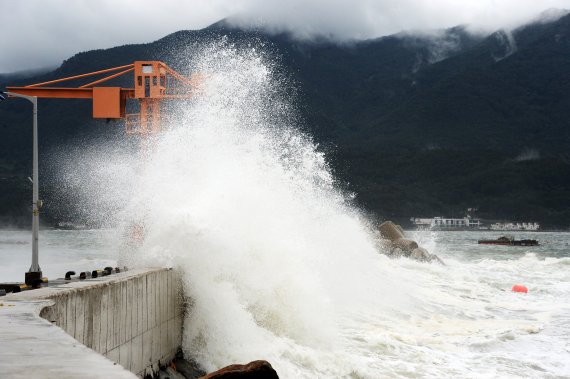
(422, 255)
(252, 370)
(398, 246)
(391, 231)
(404, 244)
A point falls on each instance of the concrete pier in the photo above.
(96, 328)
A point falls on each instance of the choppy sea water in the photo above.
(458, 320)
(60, 251)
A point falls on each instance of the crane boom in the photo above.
(154, 82)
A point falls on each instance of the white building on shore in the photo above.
(468, 223)
(447, 223)
(527, 226)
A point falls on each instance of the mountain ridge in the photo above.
(415, 125)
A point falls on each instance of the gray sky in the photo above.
(39, 33)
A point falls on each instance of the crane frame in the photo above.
(154, 82)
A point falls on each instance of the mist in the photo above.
(43, 33)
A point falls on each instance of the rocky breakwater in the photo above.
(252, 370)
(183, 369)
(397, 245)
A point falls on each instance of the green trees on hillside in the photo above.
(409, 134)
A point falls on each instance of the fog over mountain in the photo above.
(43, 33)
(413, 124)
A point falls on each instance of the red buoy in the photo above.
(520, 288)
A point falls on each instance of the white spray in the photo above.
(276, 264)
(243, 203)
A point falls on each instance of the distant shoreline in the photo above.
(490, 230)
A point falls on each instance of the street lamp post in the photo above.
(35, 271)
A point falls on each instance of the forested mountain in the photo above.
(414, 125)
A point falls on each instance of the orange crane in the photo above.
(154, 82)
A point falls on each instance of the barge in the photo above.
(509, 241)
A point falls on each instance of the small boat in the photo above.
(509, 241)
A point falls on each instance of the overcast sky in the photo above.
(40, 33)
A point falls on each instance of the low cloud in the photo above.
(39, 33)
(528, 155)
(361, 19)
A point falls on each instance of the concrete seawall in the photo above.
(132, 318)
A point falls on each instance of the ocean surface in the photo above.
(458, 320)
(60, 251)
(278, 262)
